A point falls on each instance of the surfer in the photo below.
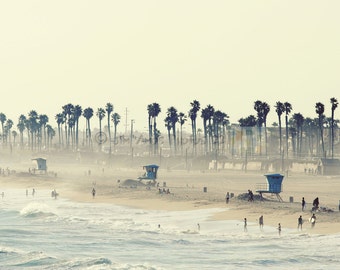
(313, 220)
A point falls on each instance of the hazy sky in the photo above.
(133, 53)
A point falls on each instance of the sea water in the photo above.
(40, 232)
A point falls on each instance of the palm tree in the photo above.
(218, 121)
(50, 135)
(60, 119)
(8, 127)
(298, 119)
(262, 109)
(320, 109)
(280, 108)
(21, 128)
(288, 108)
(100, 114)
(116, 120)
(43, 120)
(195, 107)
(150, 113)
(168, 125)
(182, 118)
(14, 134)
(173, 118)
(248, 123)
(88, 113)
(109, 109)
(207, 114)
(156, 109)
(33, 127)
(76, 112)
(3, 119)
(67, 111)
(265, 111)
(334, 103)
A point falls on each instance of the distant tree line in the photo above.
(251, 137)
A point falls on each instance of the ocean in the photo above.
(39, 232)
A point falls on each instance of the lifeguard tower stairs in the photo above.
(273, 186)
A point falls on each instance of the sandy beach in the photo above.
(195, 190)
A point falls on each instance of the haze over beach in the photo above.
(73, 197)
(133, 53)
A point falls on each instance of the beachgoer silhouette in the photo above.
(198, 227)
(316, 203)
(261, 222)
(303, 203)
(313, 220)
(300, 221)
(279, 228)
(93, 192)
(245, 225)
(33, 192)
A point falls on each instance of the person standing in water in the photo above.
(279, 228)
(303, 203)
(300, 221)
(245, 225)
(261, 222)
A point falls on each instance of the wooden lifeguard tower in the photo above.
(41, 165)
(273, 186)
(150, 172)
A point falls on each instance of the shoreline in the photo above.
(186, 193)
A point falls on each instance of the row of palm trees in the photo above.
(219, 135)
(40, 134)
(302, 135)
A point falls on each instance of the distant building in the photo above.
(328, 166)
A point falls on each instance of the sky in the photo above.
(132, 53)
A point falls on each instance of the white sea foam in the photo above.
(42, 233)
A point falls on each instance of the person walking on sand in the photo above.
(261, 222)
(300, 221)
(303, 203)
(227, 198)
(93, 193)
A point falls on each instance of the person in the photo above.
(245, 225)
(316, 204)
(227, 198)
(33, 192)
(279, 228)
(300, 221)
(313, 220)
(303, 203)
(261, 222)
(198, 227)
(93, 192)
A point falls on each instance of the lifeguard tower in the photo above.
(41, 165)
(273, 186)
(150, 172)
